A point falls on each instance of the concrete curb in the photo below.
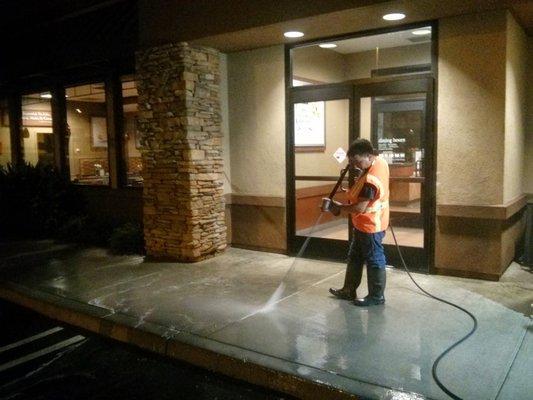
(95, 319)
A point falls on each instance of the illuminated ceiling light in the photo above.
(421, 32)
(327, 45)
(393, 17)
(46, 95)
(78, 110)
(293, 34)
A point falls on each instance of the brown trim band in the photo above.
(249, 200)
(499, 212)
(467, 274)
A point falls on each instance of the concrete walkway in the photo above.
(306, 342)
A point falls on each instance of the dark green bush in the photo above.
(127, 239)
(36, 201)
(84, 230)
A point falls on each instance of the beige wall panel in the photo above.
(469, 247)
(471, 104)
(256, 93)
(317, 64)
(528, 168)
(258, 227)
(515, 110)
(513, 230)
(225, 121)
(359, 65)
(227, 217)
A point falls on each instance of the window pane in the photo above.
(5, 138)
(321, 135)
(87, 131)
(396, 127)
(395, 53)
(132, 142)
(37, 133)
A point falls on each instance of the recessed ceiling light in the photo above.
(293, 34)
(421, 32)
(327, 45)
(46, 95)
(394, 17)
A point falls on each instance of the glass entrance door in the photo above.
(396, 117)
(322, 127)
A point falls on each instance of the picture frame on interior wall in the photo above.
(310, 127)
(301, 140)
(99, 132)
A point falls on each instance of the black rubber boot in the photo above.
(377, 278)
(352, 280)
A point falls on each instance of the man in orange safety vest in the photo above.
(368, 207)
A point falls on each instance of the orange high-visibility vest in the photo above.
(376, 216)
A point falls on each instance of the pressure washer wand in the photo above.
(339, 182)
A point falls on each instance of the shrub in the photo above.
(35, 201)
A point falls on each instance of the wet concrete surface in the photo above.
(95, 368)
(381, 352)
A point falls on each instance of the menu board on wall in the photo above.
(309, 124)
(36, 118)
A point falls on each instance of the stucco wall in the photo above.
(317, 64)
(471, 101)
(256, 94)
(329, 66)
(528, 167)
(515, 110)
(359, 65)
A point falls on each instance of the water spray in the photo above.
(278, 293)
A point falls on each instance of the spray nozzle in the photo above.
(330, 205)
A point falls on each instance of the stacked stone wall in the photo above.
(181, 146)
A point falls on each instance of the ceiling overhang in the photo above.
(363, 19)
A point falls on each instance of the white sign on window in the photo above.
(309, 124)
(340, 155)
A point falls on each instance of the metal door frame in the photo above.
(354, 91)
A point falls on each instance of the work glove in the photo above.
(331, 206)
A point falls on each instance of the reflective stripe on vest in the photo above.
(377, 206)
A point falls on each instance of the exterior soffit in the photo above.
(362, 19)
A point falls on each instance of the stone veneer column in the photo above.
(180, 126)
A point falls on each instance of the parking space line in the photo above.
(42, 352)
(30, 339)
